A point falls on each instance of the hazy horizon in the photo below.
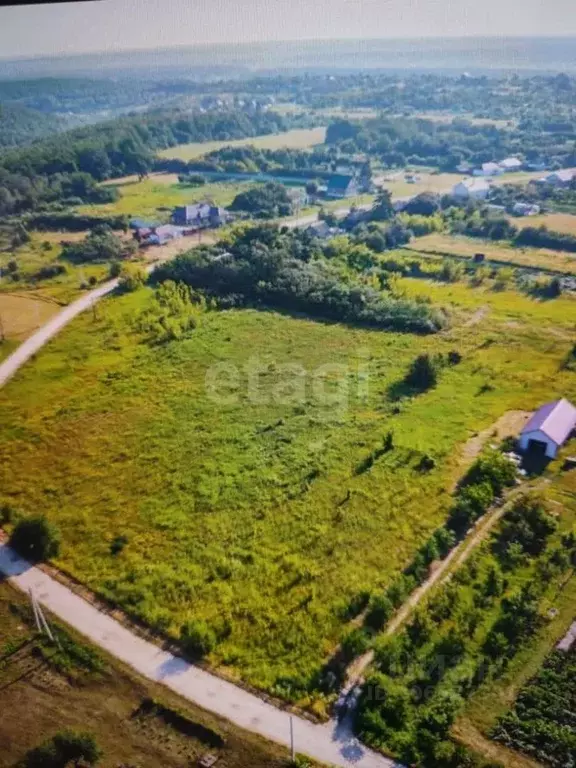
(149, 25)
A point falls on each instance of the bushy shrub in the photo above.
(197, 638)
(65, 748)
(379, 611)
(36, 539)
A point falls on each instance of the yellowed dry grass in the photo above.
(522, 257)
(299, 138)
(560, 222)
(22, 314)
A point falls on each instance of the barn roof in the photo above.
(556, 420)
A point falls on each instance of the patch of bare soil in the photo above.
(509, 424)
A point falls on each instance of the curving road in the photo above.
(330, 743)
(35, 342)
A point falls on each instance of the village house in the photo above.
(471, 189)
(511, 164)
(562, 178)
(525, 209)
(488, 169)
(549, 428)
(322, 230)
(204, 215)
(154, 234)
(340, 186)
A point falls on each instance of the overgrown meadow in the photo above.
(256, 510)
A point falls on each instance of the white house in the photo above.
(549, 428)
(471, 189)
(525, 209)
(488, 169)
(511, 164)
(561, 178)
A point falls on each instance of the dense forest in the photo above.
(34, 176)
(20, 125)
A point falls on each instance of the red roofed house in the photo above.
(549, 428)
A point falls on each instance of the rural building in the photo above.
(525, 209)
(137, 224)
(342, 186)
(561, 178)
(322, 230)
(200, 215)
(156, 234)
(488, 169)
(549, 428)
(471, 189)
(511, 164)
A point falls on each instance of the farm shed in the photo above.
(549, 428)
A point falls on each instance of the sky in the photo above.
(113, 25)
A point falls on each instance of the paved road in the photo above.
(35, 342)
(328, 743)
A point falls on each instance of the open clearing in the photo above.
(299, 138)
(156, 196)
(46, 695)
(22, 314)
(559, 222)
(428, 182)
(466, 247)
(250, 513)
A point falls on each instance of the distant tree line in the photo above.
(69, 165)
(398, 141)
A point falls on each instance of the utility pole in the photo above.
(292, 750)
(40, 619)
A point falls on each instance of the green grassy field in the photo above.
(156, 196)
(253, 514)
(299, 138)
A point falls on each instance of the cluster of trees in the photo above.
(250, 159)
(469, 630)
(398, 141)
(101, 244)
(542, 237)
(38, 175)
(545, 195)
(481, 222)
(266, 201)
(286, 269)
(173, 312)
